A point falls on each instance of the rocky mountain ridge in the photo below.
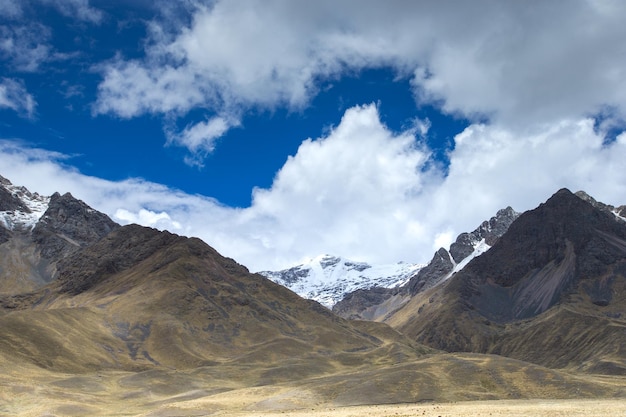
(377, 303)
(36, 232)
(19, 208)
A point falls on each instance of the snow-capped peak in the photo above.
(33, 206)
(328, 278)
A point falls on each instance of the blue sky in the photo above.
(278, 130)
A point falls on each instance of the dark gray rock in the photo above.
(490, 230)
(68, 225)
(5, 234)
(565, 242)
(10, 202)
(440, 266)
(354, 303)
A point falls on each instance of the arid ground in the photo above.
(517, 408)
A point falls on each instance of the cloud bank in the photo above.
(543, 86)
(361, 191)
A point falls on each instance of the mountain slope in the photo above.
(175, 329)
(551, 291)
(141, 287)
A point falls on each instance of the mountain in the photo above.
(37, 231)
(139, 287)
(378, 303)
(327, 279)
(136, 321)
(552, 291)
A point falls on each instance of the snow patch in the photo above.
(616, 213)
(21, 220)
(480, 247)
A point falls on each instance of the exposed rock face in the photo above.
(9, 201)
(561, 243)
(444, 262)
(69, 224)
(556, 277)
(438, 267)
(36, 232)
(489, 231)
(618, 212)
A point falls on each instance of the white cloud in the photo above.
(539, 73)
(25, 43)
(514, 63)
(13, 95)
(148, 218)
(361, 191)
(200, 138)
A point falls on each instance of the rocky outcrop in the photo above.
(444, 262)
(618, 212)
(36, 232)
(9, 201)
(69, 224)
(439, 266)
(489, 231)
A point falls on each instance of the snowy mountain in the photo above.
(326, 279)
(19, 208)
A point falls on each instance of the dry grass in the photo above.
(434, 386)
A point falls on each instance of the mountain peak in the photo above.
(36, 232)
(327, 278)
(544, 254)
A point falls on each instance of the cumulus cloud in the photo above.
(200, 138)
(506, 62)
(360, 191)
(13, 95)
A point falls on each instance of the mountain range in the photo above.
(102, 319)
